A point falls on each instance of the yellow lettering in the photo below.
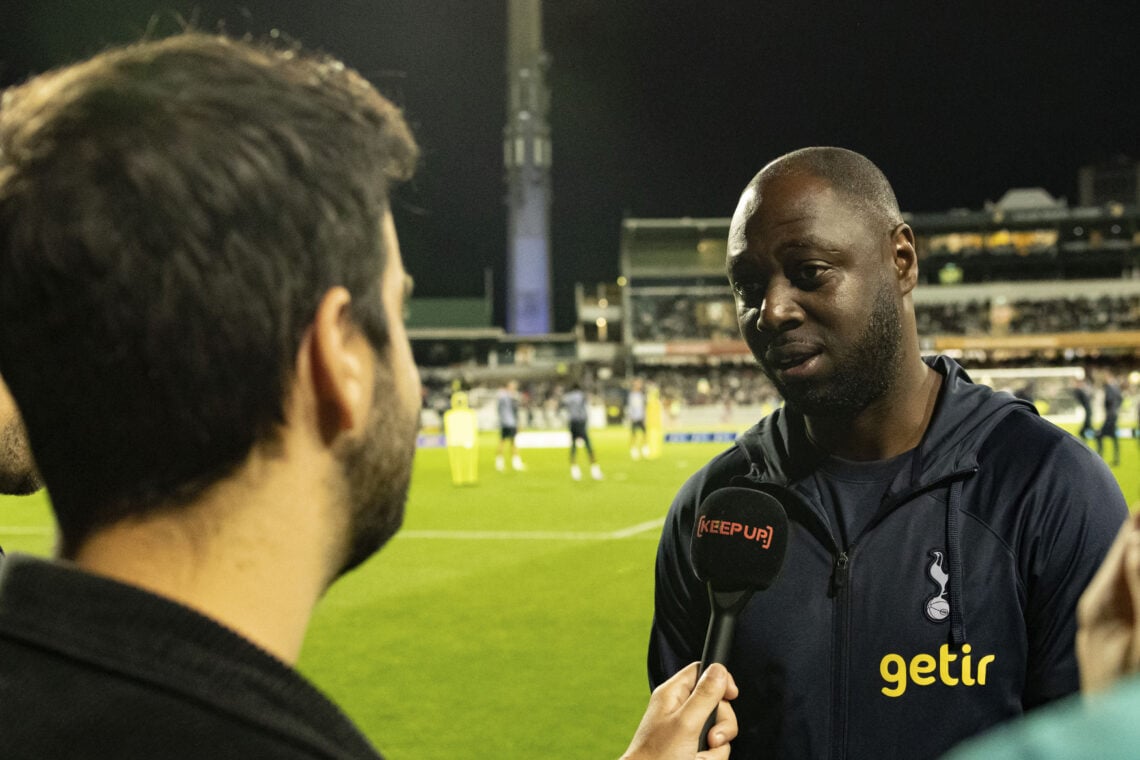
(919, 667)
(926, 669)
(945, 657)
(893, 670)
(982, 663)
(967, 676)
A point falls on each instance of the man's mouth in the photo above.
(788, 357)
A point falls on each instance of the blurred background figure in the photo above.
(461, 432)
(578, 414)
(635, 411)
(1112, 401)
(1082, 392)
(508, 405)
(1027, 392)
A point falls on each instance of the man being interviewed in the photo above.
(941, 532)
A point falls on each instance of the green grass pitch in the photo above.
(508, 619)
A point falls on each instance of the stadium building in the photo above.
(1029, 293)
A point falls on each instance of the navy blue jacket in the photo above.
(953, 610)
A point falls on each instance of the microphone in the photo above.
(739, 540)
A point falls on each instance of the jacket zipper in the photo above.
(839, 573)
(839, 576)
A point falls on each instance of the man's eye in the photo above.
(746, 288)
(811, 274)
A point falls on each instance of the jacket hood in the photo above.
(964, 414)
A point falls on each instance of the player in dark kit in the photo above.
(507, 405)
(577, 408)
(941, 533)
(1112, 401)
(1082, 392)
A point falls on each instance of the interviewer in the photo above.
(201, 294)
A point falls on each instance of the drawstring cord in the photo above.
(954, 554)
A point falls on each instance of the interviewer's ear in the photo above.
(341, 363)
(905, 257)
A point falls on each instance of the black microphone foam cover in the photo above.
(739, 539)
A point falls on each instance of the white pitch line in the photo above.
(504, 535)
(533, 535)
(633, 530)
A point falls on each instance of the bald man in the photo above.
(941, 532)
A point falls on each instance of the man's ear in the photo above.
(905, 257)
(341, 363)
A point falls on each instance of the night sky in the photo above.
(664, 109)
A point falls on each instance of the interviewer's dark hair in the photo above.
(171, 214)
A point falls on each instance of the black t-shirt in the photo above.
(851, 492)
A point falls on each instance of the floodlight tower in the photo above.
(526, 155)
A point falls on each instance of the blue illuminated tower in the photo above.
(526, 155)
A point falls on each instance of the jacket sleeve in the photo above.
(1075, 511)
(681, 606)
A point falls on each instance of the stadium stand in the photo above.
(1027, 284)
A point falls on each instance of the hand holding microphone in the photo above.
(738, 545)
(677, 709)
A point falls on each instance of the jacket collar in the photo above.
(964, 415)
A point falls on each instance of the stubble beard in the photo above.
(18, 475)
(376, 472)
(863, 374)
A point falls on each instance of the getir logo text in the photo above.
(762, 535)
(925, 669)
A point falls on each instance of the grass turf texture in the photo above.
(514, 647)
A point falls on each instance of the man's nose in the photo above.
(780, 310)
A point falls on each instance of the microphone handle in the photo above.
(726, 605)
